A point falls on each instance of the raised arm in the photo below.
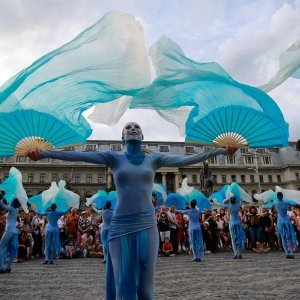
(180, 161)
(90, 157)
(7, 207)
(98, 211)
(40, 213)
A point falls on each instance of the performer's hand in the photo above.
(34, 154)
(231, 150)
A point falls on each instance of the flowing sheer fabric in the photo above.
(289, 66)
(220, 105)
(104, 62)
(13, 188)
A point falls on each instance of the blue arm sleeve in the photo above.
(164, 160)
(7, 207)
(99, 211)
(90, 157)
(40, 213)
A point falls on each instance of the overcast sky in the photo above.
(245, 37)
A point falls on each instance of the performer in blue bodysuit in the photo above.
(133, 236)
(236, 229)
(196, 238)
(52, 232)
(106, 214)
(284, 225)
(10, 241)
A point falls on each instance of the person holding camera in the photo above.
(10, 240)
(163, 226)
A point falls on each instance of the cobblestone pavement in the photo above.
(256, 276)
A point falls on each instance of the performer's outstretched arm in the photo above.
(90, 157)
(180, 161)
(7, 207)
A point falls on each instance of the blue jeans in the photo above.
(255, 234)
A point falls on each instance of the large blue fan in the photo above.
(160, 191)
(176, 200)
(112, 197)
(202, 201)
(99, 199)
(237, 126)
(36, 202)
(23, 130)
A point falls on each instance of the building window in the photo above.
(89, 178)
(244, 150)
(261, 150)
(224, 180)
(30, 178)
(21, 159)
(249, 160)
(231, 160)
(270, 178)
(278, 178)
(100, 178)
(194, 179)
(243, 180)
(261, 178)
(297, 176)
(233, 178)
(212, 161)
(189, 149)
(116, 147)
(77, 178)
(42, 178)
(91, 147)
(66, 177)
(267, 160)
(70, 148)
(252, 179)
(164, 148)
(54, 177)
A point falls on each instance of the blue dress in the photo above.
(195, 232)
(9, 242)
(133, 236)
(284, 226)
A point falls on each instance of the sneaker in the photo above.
(198, 260)
(8, 270)
(2, 271)
(51, 262)
(292, 256)
(240, 257)
(172, 254)
(104, 261)
(288, 256)
(84, 253)
(45, 262)
(235, 257)
(194, 259)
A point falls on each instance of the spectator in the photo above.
(163, 225)
(167, 248)
(86, 243)
(97, 250)
(174, 226)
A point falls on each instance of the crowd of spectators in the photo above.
(80, 233)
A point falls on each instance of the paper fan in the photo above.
(36, 202)
(23, 130)
(176, 200)
(99, 199)
(13, 188)
(238, 127)
(224, 194)
(190, 193)
(63, 198)
(160, 191)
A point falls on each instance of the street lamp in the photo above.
(256, 171)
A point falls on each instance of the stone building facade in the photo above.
(253, 169)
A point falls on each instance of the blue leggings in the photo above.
(126, 246)
(51, 247)
(8, 248)
(104, 235)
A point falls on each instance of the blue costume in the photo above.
(107, 215)
(9, 243)
(236, 229)
(285, 227)
(133, 236)
(52, 244)
(196, 238)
